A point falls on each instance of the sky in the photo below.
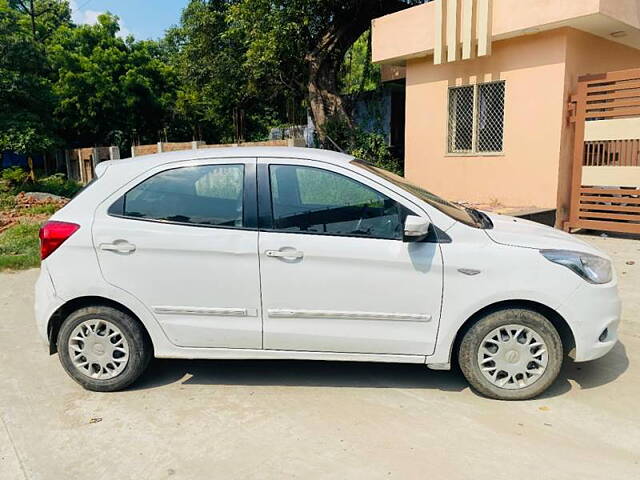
(144, 19)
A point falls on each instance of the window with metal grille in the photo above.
(476, 118)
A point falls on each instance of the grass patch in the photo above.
(47, 208)
(7, 201)
(20, 247)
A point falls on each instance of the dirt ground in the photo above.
(274, 420)
(26, 209)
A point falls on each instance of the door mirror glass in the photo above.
(415, 228)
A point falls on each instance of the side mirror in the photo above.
(415, 228)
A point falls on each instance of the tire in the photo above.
(492, 342)
(104, 334)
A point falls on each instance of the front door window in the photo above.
(313, 200)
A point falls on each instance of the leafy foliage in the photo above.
(357, 73)
(110, 90)
(224, 93)
(13, 177)
(374, 148)
(14, 180)
(56, 184)
(7, 200)
(63, 84)
(274, 59)
(26, 101)
(230, 70)
(369, 146)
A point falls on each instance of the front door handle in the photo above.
(119, 246)
(288, 254)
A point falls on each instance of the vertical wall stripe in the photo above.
(440, 18)
(484, 26)
(453, 29)
(466, 23)
(468, 29)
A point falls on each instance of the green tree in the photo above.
(219, 95)
(271, 58)
(42, 17)
(26, 99)
(109, 89)
(358, 74)
(302, 44)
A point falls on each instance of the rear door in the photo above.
(336, 275)
(183, 240)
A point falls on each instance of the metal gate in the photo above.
(605, 183)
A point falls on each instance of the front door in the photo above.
(336, 275)
(184, 242)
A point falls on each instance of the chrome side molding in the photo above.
(289, 313)
(222, 312)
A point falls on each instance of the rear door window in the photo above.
(210, 195)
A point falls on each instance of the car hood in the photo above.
(525, 233)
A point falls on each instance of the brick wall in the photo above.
(139, 150)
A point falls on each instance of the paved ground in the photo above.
(273, 420)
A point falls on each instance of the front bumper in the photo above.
(593, 313)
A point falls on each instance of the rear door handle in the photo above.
(293, 254)
(119, 246)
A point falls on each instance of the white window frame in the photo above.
(474, 136)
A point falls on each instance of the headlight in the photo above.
(592, 268)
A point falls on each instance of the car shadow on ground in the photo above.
(593, 374)
(299, 373)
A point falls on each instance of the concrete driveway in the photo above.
(273, 420)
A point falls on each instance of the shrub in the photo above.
(58, 184)
(369, 146)
(13, 177)
(373, 148)
(15, 180)
(7, 201)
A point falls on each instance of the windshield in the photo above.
(468, 216)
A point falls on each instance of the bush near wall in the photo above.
(14, 180)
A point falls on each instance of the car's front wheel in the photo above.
(103, 349)
(513, 354)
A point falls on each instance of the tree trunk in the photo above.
(325, 101)
(325, 60)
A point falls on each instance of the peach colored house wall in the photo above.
(533, 69)
(540, 72)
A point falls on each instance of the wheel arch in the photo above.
(66, 309)
(558, 321)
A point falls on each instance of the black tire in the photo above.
(471, 343)
(139, 346)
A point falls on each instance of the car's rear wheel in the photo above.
(513, 354)
(103, 349)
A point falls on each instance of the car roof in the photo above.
(150, 161)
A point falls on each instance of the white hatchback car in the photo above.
(277, 253)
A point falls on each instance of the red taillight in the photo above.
(53, 234)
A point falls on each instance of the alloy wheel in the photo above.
(98, 349)
(513, 356)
